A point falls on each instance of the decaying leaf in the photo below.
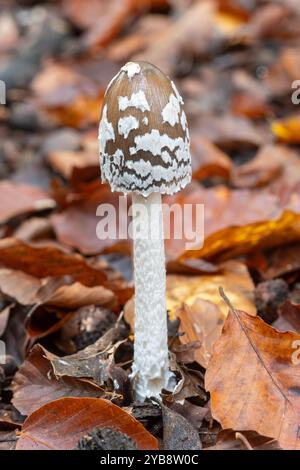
(287, 129)
(49, 260)
(187, 290)
(179, 434)
(77, 225)
(73, 418)
(195, 29)
(246, 440)
(253, 378)
(208, 160)
(195, 300)
(29, 199)
(35, 384)
(96, 361)
(66, 162)
(8, 440)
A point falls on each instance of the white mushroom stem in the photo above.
(151, 363)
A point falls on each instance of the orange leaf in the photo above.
(254, 379)
(60, 424)
(287, 129)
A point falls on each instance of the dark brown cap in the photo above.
(144, 139)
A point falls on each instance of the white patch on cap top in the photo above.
(131, 68)
(137, 100)
(171, 111)
(177, 93)
(106, 131)
(145, 121)
(127, 124)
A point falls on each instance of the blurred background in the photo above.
(236, 63)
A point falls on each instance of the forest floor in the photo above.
(66, 315)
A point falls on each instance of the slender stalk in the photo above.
(151, 363)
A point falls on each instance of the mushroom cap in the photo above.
(144, 139)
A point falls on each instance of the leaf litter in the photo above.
(66, 306)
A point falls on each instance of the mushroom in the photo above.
(144, 150)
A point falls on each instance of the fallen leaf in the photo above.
(191, 266)
(253, 378)
(109, 23)
(8, 440)
(35, 384)
(227, 213)
(201, 322)
(20, 199)
(95, 361)
(77, 225)
(250, 106)
(229, 131)
(178, 433)
(69, 93)
(234, 278)
(277, 262)
(192, 33)
(289, 318)
(34, 229)
(48, 260)
(29, 290)
(287, 129)
(73, 418)
(208, 160)
(83, 328)
(65, 162)
(195, 300)
(234, 241)
(229, 440)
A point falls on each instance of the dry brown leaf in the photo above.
(76, 226)
(195, 300)
(47, 260)
(234, 278)
(235, 241)
(65, 162)
(278, 262)
(231, 440)
(254, 377)
(8, 440)
(27, 290)
(289, 318)
(250, 106)
(18, 285)
(17, 199)
(229, 216)
(179, 433)
(208, 160)
(96, 361)
(145, 32)
(230, 131)
(77, 295)
(72, 418)
(34, 229)
(70, 98)
(110, 22)
(35, 384)
(192, 34)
